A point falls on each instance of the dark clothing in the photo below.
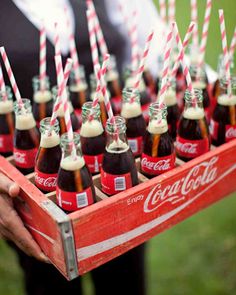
(125, 274)
(21, 41)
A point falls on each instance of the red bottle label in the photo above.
(45, 181)
(157, 165)
(78, 113)
(113, 184)
(145, 111)
(191, 148)
(72, 201)
(136, 145)
(230, 132)
(25, 158)
(6, 143)
(94, 163)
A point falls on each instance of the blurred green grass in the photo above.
(197, 256)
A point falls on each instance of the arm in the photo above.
(11, 226)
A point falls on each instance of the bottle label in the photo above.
(45, 181)
(157, 165)
(191, 148)
(78, 113)
(145, 111)
(113, 184)
(136, 145)
(6, 143)
(94, 163)
(230, 131)
(72, 201)
(25, 158)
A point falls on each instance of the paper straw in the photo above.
(57, 40)
(2, 85)
(42, 58)
(184, 62)
(194, 18)
(11, 76)
(73, 50)
(92, 38)
(162, 5)
(225, 50)
(142, 62)
(61, 86)
(171, 12)
(185, 44)
(134, 42)
(98, 30)
(166, 66)
(98, 75)
(232, 47)
(205, 34)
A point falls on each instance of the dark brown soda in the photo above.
(42, 110)
(7, 123)
(173, 116)
(93, 145)
(74, 121)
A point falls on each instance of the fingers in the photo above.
(8, 186)
(12, 227)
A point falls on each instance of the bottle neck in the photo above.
(224, 99)
(49, 134)
(78, 85)
(24, 115)
(193, 109)
(42, 93)
(157, 119)
(6, 102)
(60, 111)
(131, 106)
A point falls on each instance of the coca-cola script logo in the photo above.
(231, 132)
(46, 182)
(20, 157)
(198, 176)
(161, 165)
(188, 148)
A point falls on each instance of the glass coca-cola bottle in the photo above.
(193, 135)
(135, 123)
(150, 82)
(173, 109)
(79, 93)
(158, 152)
(223, 123)
(92, 136)
(48, 157)
(61, 115)
(103, 110)
(145, 95)
(26, 137)
(200, 81)
(75, 189)
(7, 122)
(118, 171)
(42, 99)
(113, 85)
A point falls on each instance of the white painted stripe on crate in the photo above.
(41, 233)
(92, 250)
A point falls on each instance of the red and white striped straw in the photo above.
(2, 85)
(143, 62)
(162, 5)
(171, 11)
(185, 44)
(57, 40)
(205, 33)
(73, 50)
(134, 42)
(166, 66)
(11, 76)
(100, 38)
(194, 18)
(92, 38)
(232, 47)
(225, 50)
(42, 57)
(61, 85)
(184, 62)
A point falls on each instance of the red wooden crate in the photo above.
(83, 240)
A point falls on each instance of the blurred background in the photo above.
(197, 256)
